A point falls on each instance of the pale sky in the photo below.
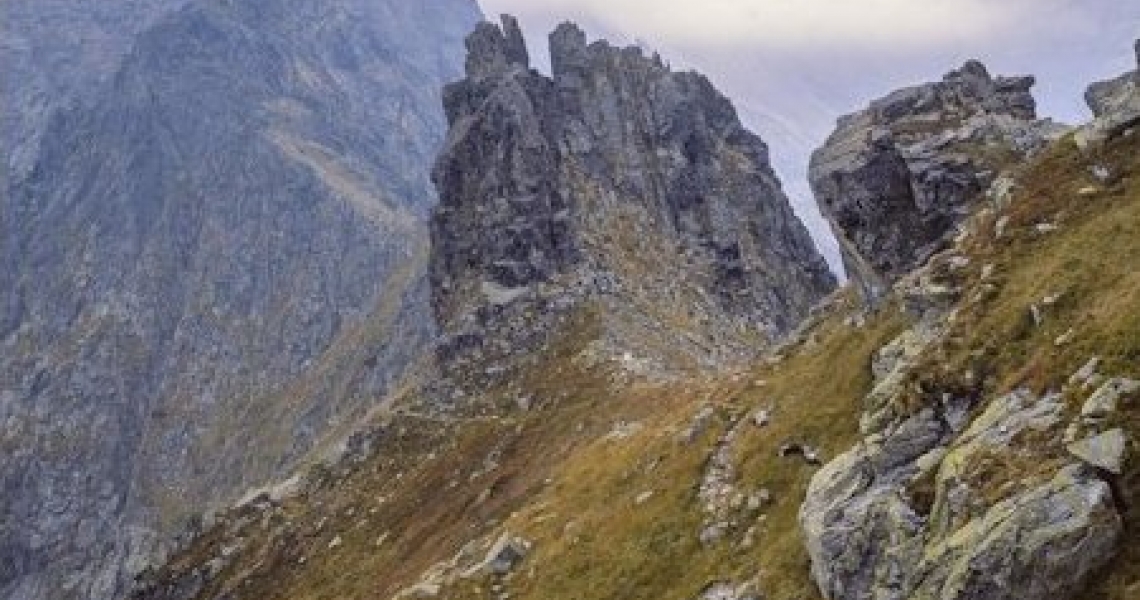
(793, 66)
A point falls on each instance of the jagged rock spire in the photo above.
(567, 50)
(494, 49)
(557, 192)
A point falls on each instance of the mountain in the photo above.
(56, 53)
(967, 432)
(562, 192)
(217, 259)
(993, 452)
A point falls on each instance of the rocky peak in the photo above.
(897, 178)
(968, 90)
(616, 182)
(567, 50)
(492, 50)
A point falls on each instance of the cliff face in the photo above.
(212, 264)
(896, 178)
(615, 182)
(56, 53)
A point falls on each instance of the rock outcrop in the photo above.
(217, 260)
(1116, 105)
(917, 511)
(897, 178)
(956, 491)
(615, 183)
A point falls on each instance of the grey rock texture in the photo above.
(216, 261)
(897, 178)
(970, 496)
(874, 532)
(615, 183)
(1115, 104)
(55, 54)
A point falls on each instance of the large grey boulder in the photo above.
(896, 179)
(1041, 544)
(615, 180)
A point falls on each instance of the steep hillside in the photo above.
(674, 491)
(970, 436)
(215, 261)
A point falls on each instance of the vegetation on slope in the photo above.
(603, 475)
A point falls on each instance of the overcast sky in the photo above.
(793, 66)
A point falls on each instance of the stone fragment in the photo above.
(1104, 451)
(505, 554)
(1104, 401)
(1086, 372)
(762, 417)
(723, 590)
(1065, 338)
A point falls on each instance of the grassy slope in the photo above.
(564, 485)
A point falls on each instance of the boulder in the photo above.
(1041, 544)
(1105, 400)
(505, 553)
(922, 509)
(1104, 451)
(897, 178)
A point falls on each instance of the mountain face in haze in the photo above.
(618, 182)
(216, 259)
(55, 54)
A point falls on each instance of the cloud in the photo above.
(815, 24)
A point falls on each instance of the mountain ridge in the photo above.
(962, 392)
(548, 183)
(638, 379)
